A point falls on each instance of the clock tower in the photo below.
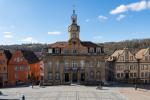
(74, 29)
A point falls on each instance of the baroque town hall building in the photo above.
(74, 61)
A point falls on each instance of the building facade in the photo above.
(73, 61)
(128, 67)
(143, 56)
(23, 67)
(5, 56)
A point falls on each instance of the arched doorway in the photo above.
(82, 76)
(66, 77)
(126, 75)
(74, 77)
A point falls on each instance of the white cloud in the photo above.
(102, 18)
(8, 36)
(54, 33)
(120, 17)
(120, 9)
(87, 20)
(7, 32)
(29, 40)
(138, 6)
(97, 37)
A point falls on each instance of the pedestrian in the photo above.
(23, 97)
(135, 86)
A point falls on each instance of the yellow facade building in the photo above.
(74, 61)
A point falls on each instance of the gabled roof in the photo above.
(8, 54)
(30, 56)
(89, 44)
(115, 55)
(140, 54)
(59, 45)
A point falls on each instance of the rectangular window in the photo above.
(57, 66)
(131, 67)
(50, 77)
(145, 67)
(16, 68)
(135, 75)
(142, 74)
(49, 66)
(118, 75)
(142, 67)
(57, 76)
(131, 58)
(131, 74)
(16, 75)
(122, 75)
(146, 58)
(82, 63)
(57, 50)
(146, 74)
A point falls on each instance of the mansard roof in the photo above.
(64, 44)
(30, 56)
(59, 44)
(89, 44)
(140, 54)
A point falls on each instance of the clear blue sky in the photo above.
(46, 21)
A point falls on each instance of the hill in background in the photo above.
(109, 47)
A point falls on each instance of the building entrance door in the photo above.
(127, 75)
(66, 77)
(82, 76)
(74, 77)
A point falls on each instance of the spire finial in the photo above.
(73, 6)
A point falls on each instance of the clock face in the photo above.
(74, 28)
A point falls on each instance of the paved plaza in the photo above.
(74, 92)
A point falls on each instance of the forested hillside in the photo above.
(109, 47)
(133, 45)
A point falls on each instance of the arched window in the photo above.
(91, 75)
(57, 66)
(98, 77)
(57, 76)
(82, 63)
(49, 66)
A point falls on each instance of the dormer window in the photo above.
(49, 50)
(91, 50)
(57, 50)
(98, 50)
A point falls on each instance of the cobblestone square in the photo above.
(75, 92)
